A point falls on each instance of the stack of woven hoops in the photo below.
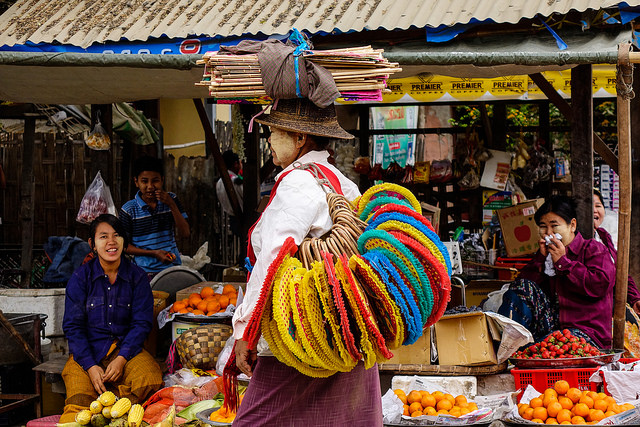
(374, 283)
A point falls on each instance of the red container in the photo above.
(541, 379)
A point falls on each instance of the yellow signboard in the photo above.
(435, 88)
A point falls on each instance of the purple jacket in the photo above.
(632, 289)
(584, 282)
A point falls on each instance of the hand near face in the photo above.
(556, 248)
(164, 197)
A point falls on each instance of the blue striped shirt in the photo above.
(151, 230)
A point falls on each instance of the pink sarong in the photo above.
(279, 395)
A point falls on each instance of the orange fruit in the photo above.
(581, 410)
(213, 307)
(596, 415)
(522, 407)
(202, 306)
(564, 415)
(550, 392)
(578, 420)
(593, 395)
(601, 395)
(443, 412)
(548, 399)
(190, 309)
(415, 406)
(194, 300)
(206, 292)
(423, 392)
(460, 399)
(416, 414)
(626, 406)
(183, 311)
(178, 305)
(574, 394)
(198, 312)
(233, 301)
(414, 396)
(609, 413)
(450, 398)
(229, 289)
(587, 401)
(455, 411)
(565, 402)
(600, 404)
(438, 395)
(463, 405)
(616, 408)
(540, 413)
(536, 402)
(430, 410)
(428, 400)
(528, 414)
(405, 410)
(537, 420)
(464, 411)
(473, 406)
(224, 302)
(561, 387)
(551, 420)
(566, 422)
(554, 408)
(444, 404)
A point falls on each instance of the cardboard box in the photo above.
(475, 291)
(418, 353)
(519, 230)
(184, 293)
(464, 339)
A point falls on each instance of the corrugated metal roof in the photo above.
(84, 22)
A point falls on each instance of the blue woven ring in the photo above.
(389, 216)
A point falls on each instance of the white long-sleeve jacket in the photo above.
(298, 209)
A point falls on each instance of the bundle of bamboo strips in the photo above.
(359, 73)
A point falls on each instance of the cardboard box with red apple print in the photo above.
(519, 230)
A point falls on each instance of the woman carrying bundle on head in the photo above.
(569, 282)
(108, 314)
(279, 394)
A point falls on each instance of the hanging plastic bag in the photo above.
(96, 201)
(98, 139)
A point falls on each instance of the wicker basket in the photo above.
(199, 347)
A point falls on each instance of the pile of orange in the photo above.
(207, 302)
(421, 402)
(563, 404)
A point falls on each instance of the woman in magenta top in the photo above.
(569, 282)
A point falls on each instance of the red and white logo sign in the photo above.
(190, 46)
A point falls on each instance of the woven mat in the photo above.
(444, 370)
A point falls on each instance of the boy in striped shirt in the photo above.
(151, 218)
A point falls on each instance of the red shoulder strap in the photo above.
(333, 179)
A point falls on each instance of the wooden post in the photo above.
(582, 147)
(499, 126)
(212, 142)
(251, 170)
(625, 74)
(634, 238)
(27, 188)
(363, 140)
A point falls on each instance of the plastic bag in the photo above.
(96, 201)
(199, 259)
(98, 139)
(223, 356)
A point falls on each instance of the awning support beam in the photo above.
(625, 79)
(565, 108)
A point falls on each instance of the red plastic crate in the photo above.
(541, 379)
